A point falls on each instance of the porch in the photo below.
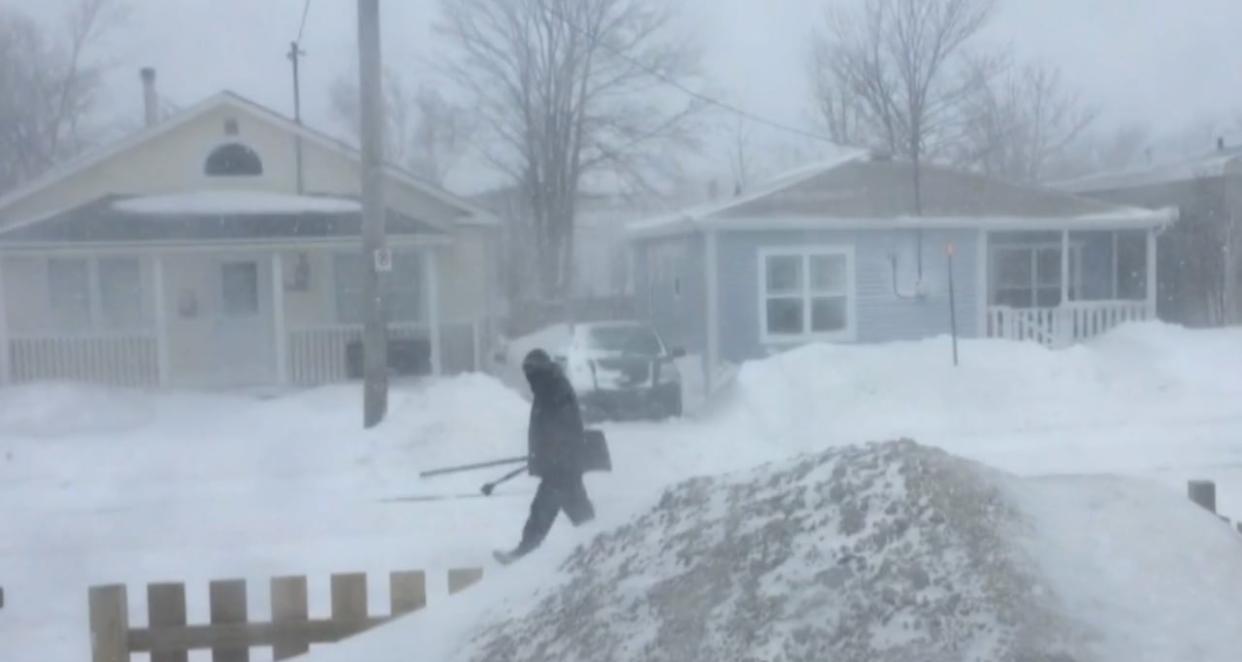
(117, 293)
(1063, 287)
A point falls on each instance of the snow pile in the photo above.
(888, 552)
(226, 202)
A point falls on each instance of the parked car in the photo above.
(622, 370)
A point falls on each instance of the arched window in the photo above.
(233, 160)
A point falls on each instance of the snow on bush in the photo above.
(886, 552)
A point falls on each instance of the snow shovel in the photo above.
(489, 487)
(472, 467)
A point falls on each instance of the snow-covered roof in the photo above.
(226, 202)
(861, 191)
(1209, 165)
(470, 212)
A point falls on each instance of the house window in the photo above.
(405, 295)
(233, 160)
(120, 292)
(806, 294)
(1030, 276)
(69, 290)
(95, 294)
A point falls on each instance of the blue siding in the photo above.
(671, 291)
(882, 315)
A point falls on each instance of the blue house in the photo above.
(846, 252)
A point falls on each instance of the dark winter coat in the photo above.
(555, 433)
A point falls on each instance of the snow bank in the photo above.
(225, 202)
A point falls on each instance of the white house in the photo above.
(221, 246)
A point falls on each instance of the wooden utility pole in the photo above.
(296, 52)
(376, 259)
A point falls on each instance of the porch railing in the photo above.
(1063, 325)
(122, 359)
(317, 355)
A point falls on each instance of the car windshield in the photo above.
(624, 339)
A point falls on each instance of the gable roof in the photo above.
(471, 213)
(863, 191)
(1212, 164)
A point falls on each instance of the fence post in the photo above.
(109, 617)
(1203, 492)
(166, 608)
(408, 592)
(349, 601)
(460, 579)
(228, 606)
(289, 605)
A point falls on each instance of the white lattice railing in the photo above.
(1064, 325)
(130, 359)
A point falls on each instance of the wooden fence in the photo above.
(231, 635)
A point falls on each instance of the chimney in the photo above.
(150, 100)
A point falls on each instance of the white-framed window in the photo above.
(405, 288)
(806, 294)
(1029, 275)
(93, 294)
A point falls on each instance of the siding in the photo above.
(881, 315)
(670, 289)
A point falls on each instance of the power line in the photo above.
(695, 94)
(302, 26)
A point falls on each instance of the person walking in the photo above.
(555, 446)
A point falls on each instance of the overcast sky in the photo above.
(1159, 62)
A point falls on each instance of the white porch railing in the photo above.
(1063, 325)
(130, 359)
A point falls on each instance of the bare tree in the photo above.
(570, 88)
(424, 132)
(892, 73)
(48, 86)
(1017, 126)
(741, 161)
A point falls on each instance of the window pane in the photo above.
(1015, 297)
(405, 288)
(1049, 267)
(240, 288)
(69, 290)
(785, 316)
(828, 274)
(348, 287)
(1013, 268)
(828, 314)
(120, 292)
(784, 274)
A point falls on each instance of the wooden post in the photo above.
(349, 598)
(289, 605)
(166, 608)
(460, 579)
(161, 319)
(374, 241)
(1151, 274)
(109, 619)
(431, 272)
(408, 591)
(228, 605)
(1203, 492)
(280, 336)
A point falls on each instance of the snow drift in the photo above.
(887, 552)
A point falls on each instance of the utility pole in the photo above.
(296, 52)
(376, 259)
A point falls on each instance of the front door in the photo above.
(243, 333)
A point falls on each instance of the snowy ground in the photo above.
(101, 486)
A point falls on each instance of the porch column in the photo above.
(711, 353)
(281, 336)
(983, 287)
(6, 370)
(431, 270)
(161, 319)
(1151, 274)
(1063, 315)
